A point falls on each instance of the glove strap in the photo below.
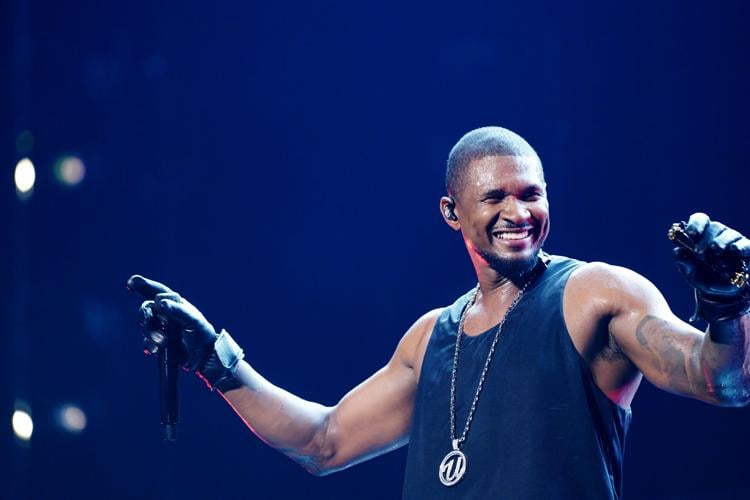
(713, 310)
(221, 365)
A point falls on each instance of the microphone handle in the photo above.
(168, 371)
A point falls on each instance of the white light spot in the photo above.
(71, 418)
(70, 170)
(23, 426)
(25, 176)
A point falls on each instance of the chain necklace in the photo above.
(453, 466)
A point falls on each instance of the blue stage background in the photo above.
(280, 165)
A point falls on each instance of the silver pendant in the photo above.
(453, 466)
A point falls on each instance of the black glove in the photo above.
(213, 356)
(716, 246)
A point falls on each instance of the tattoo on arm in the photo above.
(656, 336)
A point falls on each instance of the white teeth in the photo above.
(512, 236)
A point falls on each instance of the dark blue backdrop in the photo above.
(280, 164)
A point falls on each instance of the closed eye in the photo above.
(532, 195)
(494, 196)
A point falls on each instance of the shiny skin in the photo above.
(501, 193)
(618, 321)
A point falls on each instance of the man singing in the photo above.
(520, 389)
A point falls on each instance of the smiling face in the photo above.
(503, 214)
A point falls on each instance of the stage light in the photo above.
(25, 176)
(69, 170)
(23, 426)
(71, 418)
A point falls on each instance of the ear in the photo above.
(449, 212)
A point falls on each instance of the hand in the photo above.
(717, 245)
(163, 306)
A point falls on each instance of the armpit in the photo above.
(612, 351)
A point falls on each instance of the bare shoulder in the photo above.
(413, 344)
(598, 298)
(610, 289)
(601, 304)
(606, 274)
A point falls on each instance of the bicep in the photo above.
(375, 416)
(372, 418)
(662, 346)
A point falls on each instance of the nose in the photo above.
(515, 210)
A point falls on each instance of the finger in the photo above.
(685, 262)
(156, 337)
(182, 312)
(150, 317)
(146, 287)
(712, 231)
(173, 296)
(153, 324)
(721, 243)
(146, 313)
(696, 224)
(149, 347)
(740, 247)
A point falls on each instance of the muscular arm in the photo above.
(670, 353)
(371, 419)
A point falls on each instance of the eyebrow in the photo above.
(493, 193)
(500, 193)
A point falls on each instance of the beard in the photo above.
(516, 270)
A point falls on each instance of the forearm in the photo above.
(725, 361)
(290, 424)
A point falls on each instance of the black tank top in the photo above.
(542, 428)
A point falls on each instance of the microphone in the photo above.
(168, 370)
(733, 269)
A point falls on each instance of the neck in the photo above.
(494, 286)
(494, 293)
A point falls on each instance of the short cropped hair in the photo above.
(479, 143)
